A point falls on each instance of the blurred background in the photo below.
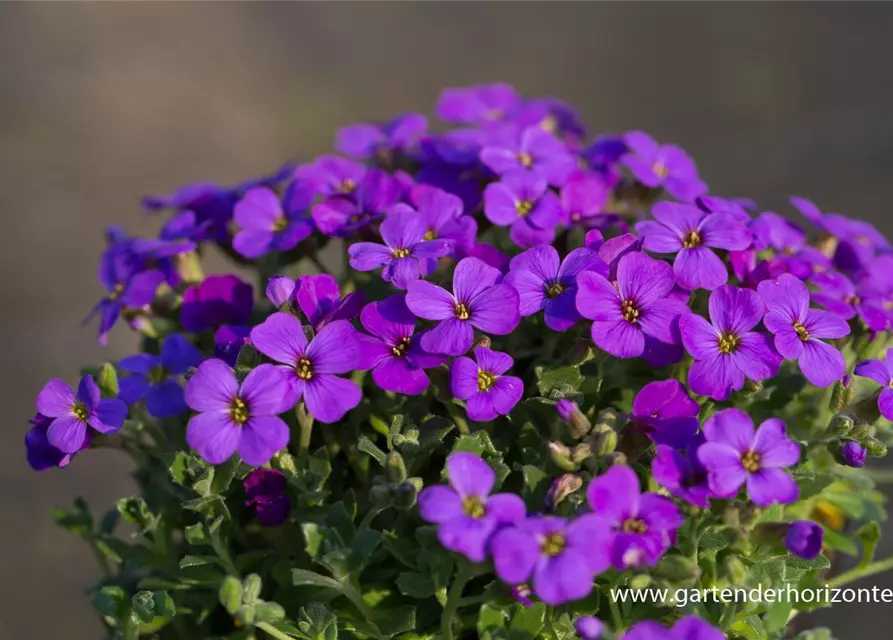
(102, 103)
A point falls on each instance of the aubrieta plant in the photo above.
(485, 377)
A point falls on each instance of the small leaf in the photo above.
(143, 604)
(869, 535)
(251, 587)
(529, 620)
(196, 561)
(563, 380)
(268, 612)
(164, 604)
(302, 577)
(196, 535)
(368, 447)
(230, 594)
(108, 601)
(490, 619)
(415, 585)
(224, 474)
(107, 380)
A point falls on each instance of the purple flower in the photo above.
(643, 524)
(735, 455)
(234, 417)
(268, 496)
(477, 104)
(311, 366)
(319, 298)
(491, 256)
(636, 313)
(477, 301)
(465, 511)
(840, 296)
(561, 556)
(366, 140)
(739, 208)
(667, 411)
(228, 341)
(666, 166)
(264, 226)
(727, 351)
(40, 453)
(691, 234)
(71, 413)
(525, 202)
(487, 392)
(544, 282)
(154, 377)
(218, 300)
(329, 176)
(604, 154)
(566, 409)
(852, 454)
(804, 539)
(404, 254)
(533, 150)
(393, 352)
(589, 627)
(442, 214)
(797, 329)
(681, 473)
(342, 216)
(881, 371)
(687, 628)
(583, 199)
(280, 291)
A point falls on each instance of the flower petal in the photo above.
(368, 256)
(619, 338)
(267, 392)
(822, 364)
(55, 399)
(723, 231)
(774, 446)
(735, 310)
(439, 503)
(699, 268)
(67, 433)
(643, 279)
(329, 397)
(471, 278)
(165, 400)
(614, 494)
(429, 301)
(212, 388)
(281, 338)
(716, 377)
(469, 474)
(495, 309)
(262, 436)
(874, 369)
(731, 427)
(335, 349)
(515, 553)
(214, 435)
(562, 578)
(398, 375)
(768, 486)
(786, 296)
(451, 337)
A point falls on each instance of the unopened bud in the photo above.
(604, 443)
(851, 454)
(280, 291)
(751, 387)
(578, 423)
(561, 488)
(876, 448)
(618, 459)
(483, 341)
(581, 452)
(395, 466)
(841, 395)
(841, 425)
(676, 567)
(561, 456)
(639, 582)
(404, 496)
(734, 570)
(380, 495)
(606, 420)
(861, 432)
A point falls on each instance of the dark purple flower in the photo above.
(218, 300)
(465, 511)
(40, 453)
(583, 200)
(687, 628)
(280, 290)
(154, 378)
(634, 313)
(604, 154)
(881, 371)
(532, 150)
(491, 256)
(311, 367)
(550, 114)
(852, 454)
(544, 282)
(477, 104)
(138, 292)
(804, 539)
(367, 140)
(670, 415)
(487, 392)
(691, 234)
(728, 351)
(405, 254)
(228, 341)
(234, 417)
(477, 301)
(442, 213)
(376, 192)
(681, 473)
(525, 202)
(393, 351)
(666, 166)
(264, 226)
(735, 455)
(268, 496)
(456, 180)
(840, 296)
(329, 176)
(643, 524)
(589, 627)
(797, 329)
(561, 557)
(71, 413)
(319, 298)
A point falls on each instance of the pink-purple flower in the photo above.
(73, 414)
(881, 371)
(443, 218)
(367, 140)
(681, 473)
(583, 200)
(804, 539)
(533, 150)
(218, 300)
(264, 225)
(267, 494)
(369, 201)
(524, 202)
(668, 413)
(319, 299)
(687, 628)
(483, 385)
(666, 166)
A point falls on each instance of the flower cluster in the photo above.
(559, 322)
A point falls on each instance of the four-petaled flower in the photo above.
(154, 377)
(534, 150)
(264, 225)
(681, 473)
(666, 166)
(524, 201)
(342, 215)
(366, 140)
(669, 415)
(484, 387)
(881, 371)
(71, 413)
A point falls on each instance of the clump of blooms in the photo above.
(549, 367)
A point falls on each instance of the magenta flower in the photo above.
(687, 628)
(330, 176)
(589, 627)
(405, 252)
(534, 150)
(477, 104)
(734, 455)
(465, 511)
(644, 524)
(881, 371)
(341, 216)
(487, 392)
(234, 417)
(681, 473)
(804, 539)
(443, 217)
(366, 140)
(561, 557)
(692, 234)
(319, 298)
(727, 351)
(280, 291)
(544, 282)
(268, 495)
(477, 301)
(154, 378)
(218, 300)
(635, 312)
(797, 330)
(311, 367)
(525, 202)
(72, 413)
(583, 199)
(393, 351)
(666, 166)
(667, 411)
(264, 226)
(840, 296)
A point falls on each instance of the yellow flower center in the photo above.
(802, 333)
(525, 159)
(555, 289)
(660, 169)
(280, 224)
(728, 343)
(400, 253)
(348, 186)
(751, 461)
(553, 544)
(524, 207)
(576, 216)
(116, 292)
(401, 347)
(630, 311)
(239, 411)
(304, 369)
(157, 374)
(473, 507)
(461, 311)
(430, 234)
(634, 525)
(80, 411)
(691, 240)
(486, 380)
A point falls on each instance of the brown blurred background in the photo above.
(101, 103)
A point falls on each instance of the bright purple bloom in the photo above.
(491, 256)
(405, 253)
(264, 226)
(525, 202)
(311, 366)
(228, 342)
(681, 473)
(728, 351)
(465, 511)
(329, 176)
(533, 150)
(604, 155)
(692, 234)
(393, 351)
(442, 213)
(477, 301)
(544, 282)
(636, 313)
(852, 454)
(234, 417)
(522, 593)
(154, 378)
(562, 557)
(735, 455)
(739, 208)
(366, 140)
(40, 453)
(687, 628)
(477, 104)
(319, 298)
(804, 539)
(280, 290)
(666, 166)
(840, 296)
(339, 216)
(797, 329)
(583, 200)
(550, 114)
(644, 524)
(71, 413)
(881, 371)
(667, 411)
(589, 627)
(268, 495)
(218, 300)
(487, 392)
(565, 409)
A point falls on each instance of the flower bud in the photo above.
(604, 443)
(404, 496)
(876, 448)
(578, 423)
(840, 425)
(280, 291)
(380, 495)
(606, 420)
(842, 394)
(851, 454)
(804, 539)
(395, 466)
(483, 341)
(618, 459)
(416, 482)
(561, 488)
(861, 432)
(677, 568)
(639, 582)
(581, 452)
(561, 455)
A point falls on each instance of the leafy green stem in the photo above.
(305, 422)
(858, 573)
(272, 631)
(454, 599)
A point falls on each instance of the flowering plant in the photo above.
(549, 370)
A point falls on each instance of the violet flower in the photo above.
(264, 226)
(667, 411)
(533, 150)
(443, 217)
(366, 140)
(267, 494)
(589, 627)
(477, 104)
(666, 166)
(72, 413)
(41, 455)
(341, 216)
(228, 342)
(154, 377)
(881, 371)
(487, 392)
(319, 299)
(280, 291)
(524, 202)
(583, 200)
(687, 628)
(330, 176)
(840, 296)
(852, 454)
(804, 539)
(218, 300)
(681, 473)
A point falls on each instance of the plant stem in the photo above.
(861, 572)
(272, 631)
(305, 422)
(454, 598)
(370, 516)
(616, 617)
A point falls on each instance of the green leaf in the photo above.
(107, 380)
(776, 617)
(196, 561)
(224, 474)
(840, 542)
(313, 538)
(815, 634)
(251, 587)
(143, 604)
(318, 622)
(479, 442)
(395, 620)
(562, 380)
(528, 621)
(364, 544)
(268, 612)
(819, 563)
(196, 535)
(415, 585)
(136, 510)
(109, 600)
(77, 520)
(368, 447)
(303, 578)
(490, 618)
(868, 535)
(164, 604)
(230, 594)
